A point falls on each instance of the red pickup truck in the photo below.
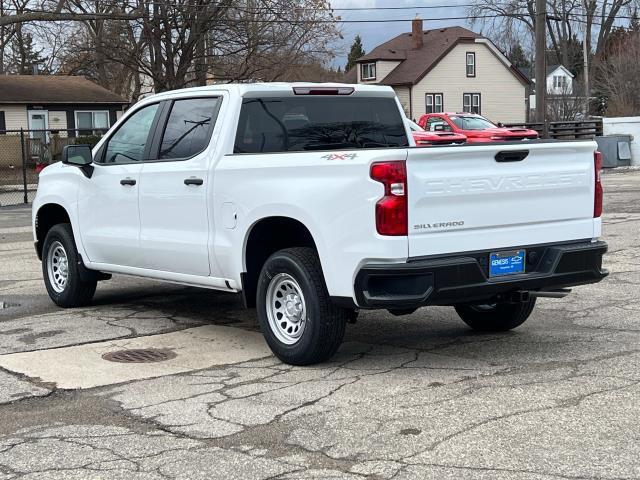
(475, 127)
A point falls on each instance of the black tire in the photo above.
(324, 322)
(498, 317)
(75, 292)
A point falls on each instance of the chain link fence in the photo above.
(23, 155)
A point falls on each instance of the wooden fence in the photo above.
(566, 130)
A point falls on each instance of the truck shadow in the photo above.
(430, 329)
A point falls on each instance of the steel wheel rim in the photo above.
(57, 267)
(286, 308)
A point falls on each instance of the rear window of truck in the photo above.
(306, 123)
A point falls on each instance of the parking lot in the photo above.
(419, 396)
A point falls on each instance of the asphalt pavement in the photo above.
(413, 397)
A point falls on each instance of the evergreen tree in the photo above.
(23, 56)
(518, 57)
(355, 53)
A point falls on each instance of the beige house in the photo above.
(446, 70)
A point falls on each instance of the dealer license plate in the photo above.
(506, 263)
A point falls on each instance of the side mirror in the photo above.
(500, 124)
(79, 156)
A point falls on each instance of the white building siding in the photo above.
(552, 89)
(502, 94)
(15, 116)
(404, 97)
(58, 121)
(383, 68)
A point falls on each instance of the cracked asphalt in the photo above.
(413, 397)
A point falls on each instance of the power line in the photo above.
(301, 9)
(578, 17)
(574, 16)
(597, 3)
(416, 7)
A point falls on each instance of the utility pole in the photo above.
(541, 64)
(2, 39)
(200, 15)
(585, 61)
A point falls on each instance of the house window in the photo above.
(368, 71)
(471, 64)
(559, 82)
(471, 103)
(92, 122)
(433, 103)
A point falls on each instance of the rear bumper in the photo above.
(464, 278)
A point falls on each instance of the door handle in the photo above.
(512, 156)
(193, 181)
(127, 181)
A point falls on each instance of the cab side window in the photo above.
(188, 128)
(128, 143)
(437, 124)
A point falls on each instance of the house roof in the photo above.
(415, 64)
(53, 89)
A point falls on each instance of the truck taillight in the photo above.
(597, 200)
(391, 210)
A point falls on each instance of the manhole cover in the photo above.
(143, 355)
(8, 305)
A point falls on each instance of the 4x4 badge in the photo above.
(340, 156)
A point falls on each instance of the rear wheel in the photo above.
(61, 271)
(495, 317)
(299, 321)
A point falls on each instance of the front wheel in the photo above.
(496, 317)
(61, 270)
(299, 321)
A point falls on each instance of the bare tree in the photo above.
(20, 52)
(566, 20)
(171, 44)
(57, 11)
(271, 40)
(190, 42)
(85, 55)
(617, 75)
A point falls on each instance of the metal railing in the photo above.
(24, 153)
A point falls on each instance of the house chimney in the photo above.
(417, 33)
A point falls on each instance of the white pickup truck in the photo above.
(313, 202)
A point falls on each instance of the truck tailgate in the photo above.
(468, 198)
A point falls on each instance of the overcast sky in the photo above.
(374, 34)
